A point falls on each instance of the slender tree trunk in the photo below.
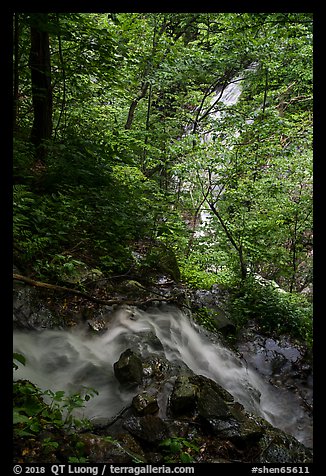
(149, 101)
(265, 91)
(236, 246)
(134, 104)
(40, 65)
(294, 252)
(157, 32)
(148, 67)
(63, 103)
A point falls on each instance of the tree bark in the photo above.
(141, 95)
(238, 248)
(63, 103)
(40, 65)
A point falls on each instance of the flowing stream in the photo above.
(68, 359)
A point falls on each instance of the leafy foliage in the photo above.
(275, 310)
(31, 413)
(19, 358)
(179, 450)
(144, 149)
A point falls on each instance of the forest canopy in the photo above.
(124, 146)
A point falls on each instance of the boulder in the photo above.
(145, 404)
(129, 369)
(223, 324)
(211, 405)
(278, 447)
(184, 396)
(148, 428)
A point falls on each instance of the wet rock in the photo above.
(184, 396)
(214, 409)
(211, 404)
(156, 368)
(277, 363)
(214, 299)
(286, 364)
(250, 430)
(223, 324)
(224, 429)
(145, 404)
(203, 382)
(277, 447)
(144, 342)
(29, 311)
(97, 325)
(129, 369)
(200, 394)
(148, 428)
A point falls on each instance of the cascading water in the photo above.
(75, 358)
(227, 97)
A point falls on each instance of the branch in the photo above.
(141, 95)
(109, 302)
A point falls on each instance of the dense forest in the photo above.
(130, 164)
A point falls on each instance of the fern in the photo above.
(22, 196)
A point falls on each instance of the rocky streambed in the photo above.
(169, 391)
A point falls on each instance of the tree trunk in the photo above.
(40, 65)
(236, 246)
(63, 68)
(134, 104)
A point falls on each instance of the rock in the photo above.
(211, 404)
(223, 324)
(278, 447)
(163, 259)
(184, 396)
(129, 369)
(225, 429)
(287, 364)
(148, 428)
(202, 382)
(199, 393)
(30, 310)
(144, 343)
(97, 325)
(145, 404)
(223, 416)
(132, 288)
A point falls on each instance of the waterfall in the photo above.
(70, 359)
(228, 97)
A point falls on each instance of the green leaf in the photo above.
(18, 418)
(186, 458)
(20, 358)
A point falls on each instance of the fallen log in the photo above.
(107, 302)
